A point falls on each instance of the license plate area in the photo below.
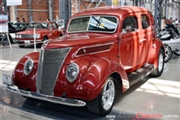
(27, 42)
(7, 79)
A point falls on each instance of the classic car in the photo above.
(43, 31)
(104, 50)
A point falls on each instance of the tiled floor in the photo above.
(156, 97)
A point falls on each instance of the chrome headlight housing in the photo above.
(28, 66)
(72, 72)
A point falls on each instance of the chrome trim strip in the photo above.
(97, 45)
(53, 99)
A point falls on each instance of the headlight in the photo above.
(28, 66)
(72, 72)
(18, 36)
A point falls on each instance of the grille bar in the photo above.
(50, 63)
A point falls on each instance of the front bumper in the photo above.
(59, 100)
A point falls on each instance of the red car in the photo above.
(43, 30)
(103, 49)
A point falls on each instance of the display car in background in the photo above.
(43, 31)
(104, 50)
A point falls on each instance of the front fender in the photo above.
(96, 75)
(20, 79)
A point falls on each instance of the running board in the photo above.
(139, 74)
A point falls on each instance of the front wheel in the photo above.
(160, 60)
(103, 104)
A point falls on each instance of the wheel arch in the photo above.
(154, 51)
(45, 36)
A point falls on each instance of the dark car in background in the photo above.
(13, 28)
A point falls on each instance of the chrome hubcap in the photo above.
(161, 62)
(108, 94)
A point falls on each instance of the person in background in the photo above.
(170, 20)
(178, 25)
(48, 20)
(17, 19)
(23, 20)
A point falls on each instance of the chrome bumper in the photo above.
(53, 99)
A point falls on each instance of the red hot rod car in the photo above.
(103, 49)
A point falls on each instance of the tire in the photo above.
(168, 53)
(103, 104)
(158, 71)
(40, 44)
(177, 52)
(21, 46)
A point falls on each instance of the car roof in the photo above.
(111, 10)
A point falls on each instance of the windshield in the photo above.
(93, 24)
(38, 25)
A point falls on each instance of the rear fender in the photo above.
(154, 52)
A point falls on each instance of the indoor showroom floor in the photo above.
(153, 97)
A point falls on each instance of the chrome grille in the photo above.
(27, 36)
(50, 63)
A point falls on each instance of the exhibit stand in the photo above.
(4, 28)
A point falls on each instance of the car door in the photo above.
(144, 38)
(56, 32)
(129, 48)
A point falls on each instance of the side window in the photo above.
(145, 21)
(54, 26)
(130, 24)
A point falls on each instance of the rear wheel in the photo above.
(168, 53)
(103, 104)
(158, 71)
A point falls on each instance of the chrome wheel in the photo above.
(168, 53)
(160, 62)
(108, 94)
(103, 103)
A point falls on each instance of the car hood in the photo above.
(71, 40)
(31, 31)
